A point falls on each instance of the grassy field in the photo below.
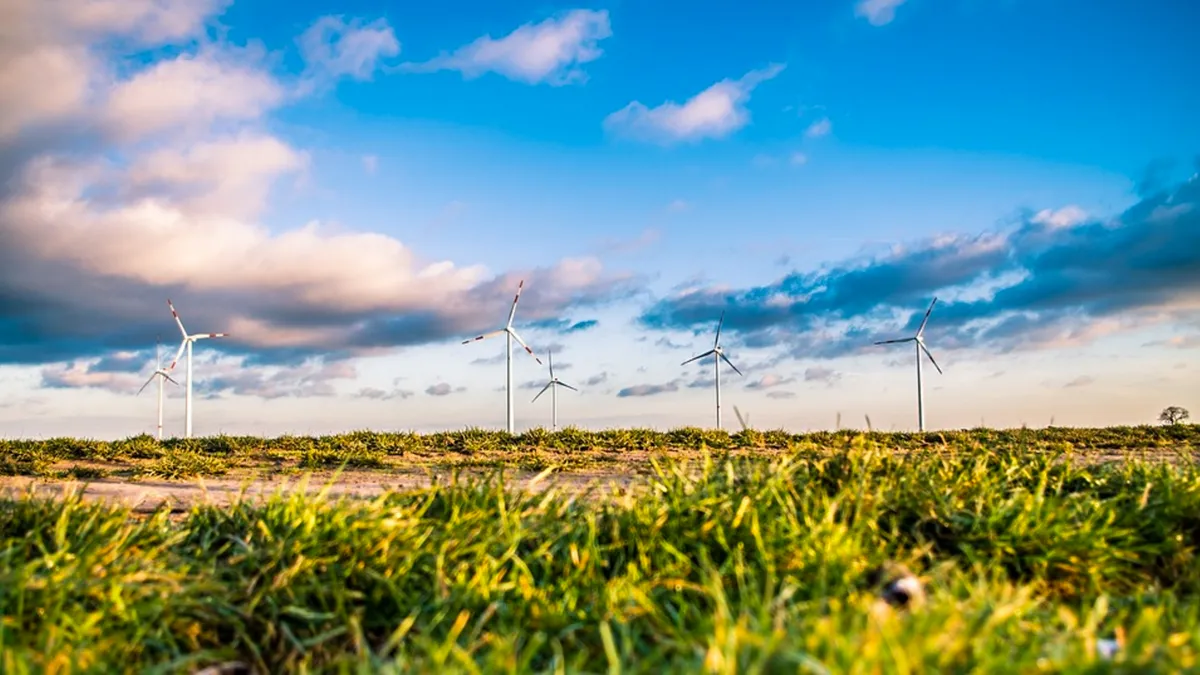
(141, 457)
(731, 562)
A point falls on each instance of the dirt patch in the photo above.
(148, 495)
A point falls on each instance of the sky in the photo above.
(350, 190)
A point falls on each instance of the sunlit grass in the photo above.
(725, 564)
(536, 449)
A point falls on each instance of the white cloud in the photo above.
(41, 86)
(227, 176)
(877, 12)
(147, 21)
(550, 51)
(820, 128)
(370, 164)
(191, 92)
(376, 394)
(678, 206)
(333, 48)
(769, 381)
(798, 159)
(1054, 219)
(314, 377)
(48, 71)
(715, 112)
(79, 375)
(821, 374)
(443, 389)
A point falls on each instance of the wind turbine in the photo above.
(161, 374)
(718, 353)
(510, 334)
(553, 386)
(919, 341)
(187, 345)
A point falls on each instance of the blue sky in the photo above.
(351, 190)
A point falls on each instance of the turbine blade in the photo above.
(720, 323)
(731, 364)
(550, 358)
(171, 379)
(921, 330)
(894, 342)
(930, 355)
(144, 385)
(204, 336)
(741, 420)
(513, 312)
(484, 336)
(178, 321)
(697, 358)
(178, 355)
(539, 394)
(518, 339)
(568, 386)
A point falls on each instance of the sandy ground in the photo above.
(147, 495)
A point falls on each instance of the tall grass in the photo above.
(732, 565)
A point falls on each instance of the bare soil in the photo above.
(147, 495)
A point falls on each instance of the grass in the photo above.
(728, 564)
(143, 456)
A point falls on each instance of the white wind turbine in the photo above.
(718, 353)
(919, 340)
(161, 374)
(510, 334)
(553, 386)
(187, 345)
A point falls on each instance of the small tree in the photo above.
(1173, 415)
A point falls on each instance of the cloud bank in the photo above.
(123, 188)
(1057, 278)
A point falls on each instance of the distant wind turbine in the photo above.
(718, 353)
(553, 386)
(187, 345)
(161, 374)
(510, 335)
(919, 341)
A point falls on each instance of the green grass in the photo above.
(143, 456)
(738, 564)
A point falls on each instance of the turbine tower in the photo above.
(187, 345)
(509, 334)
(718, 353)
(919, 341)
(161, 374)
(553, 386)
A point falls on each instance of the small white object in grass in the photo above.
(897, 586)
(904, 591)
(1107, 648)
